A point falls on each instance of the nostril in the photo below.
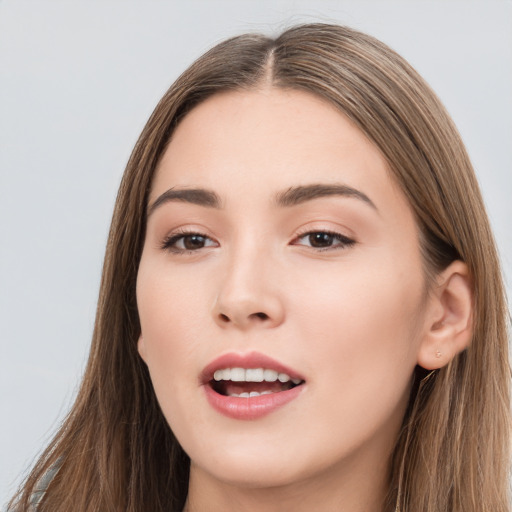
(258, 317)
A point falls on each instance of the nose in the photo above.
(249, 296)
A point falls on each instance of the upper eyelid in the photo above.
(177, 235)
(344, 238)
(184, 231)
(336, 232)
(298, 234)
(308, 231)
(180, 233)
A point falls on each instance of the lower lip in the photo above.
(250, 408)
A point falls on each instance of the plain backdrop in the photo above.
(78, 80)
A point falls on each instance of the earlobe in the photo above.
(141, 347)
(448, 328)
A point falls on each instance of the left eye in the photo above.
(324, 240)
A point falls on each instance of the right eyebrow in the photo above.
(199, 196)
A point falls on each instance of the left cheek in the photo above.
(362, 349)
(361, 325)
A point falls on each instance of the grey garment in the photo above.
(39, 491)
(41, 487)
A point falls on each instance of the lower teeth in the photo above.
(250, 395)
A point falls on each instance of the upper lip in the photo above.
(248, 360)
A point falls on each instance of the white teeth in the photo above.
(252, 375)
(222, 374)
(269, 375)
(251, 394)
(237, 375)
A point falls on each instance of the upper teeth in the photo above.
(252, 375)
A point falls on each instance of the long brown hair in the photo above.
(115, 451)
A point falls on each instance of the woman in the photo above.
(301, 306)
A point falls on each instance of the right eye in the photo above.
(187, 242)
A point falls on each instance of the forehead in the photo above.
(245, 143)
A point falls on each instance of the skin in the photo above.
(353, 319)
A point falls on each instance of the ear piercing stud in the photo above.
(438, 354)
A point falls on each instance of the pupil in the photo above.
(193, 242)
(320, 239)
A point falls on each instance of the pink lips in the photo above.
(254, 407)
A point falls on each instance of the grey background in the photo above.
(77, 82)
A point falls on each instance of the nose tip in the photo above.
(248, 291)
(260, 310)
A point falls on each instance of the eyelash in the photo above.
(343, 241)
(169, 242)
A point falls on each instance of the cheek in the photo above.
(361, 328)
(167, 301)
(363, 306)
(168, 310)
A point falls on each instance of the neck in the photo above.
(348, 488)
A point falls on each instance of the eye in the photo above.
(324, 240)
(187, 242)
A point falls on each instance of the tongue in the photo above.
(230, 388)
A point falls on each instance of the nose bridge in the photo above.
(248, 293)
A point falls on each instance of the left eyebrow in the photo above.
(300, 194)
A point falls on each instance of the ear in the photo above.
(449, 322)
(141, 347)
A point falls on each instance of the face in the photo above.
(281, 263)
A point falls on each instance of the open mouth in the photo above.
(251, 382)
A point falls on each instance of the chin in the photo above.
(249, 474)
(249, 462)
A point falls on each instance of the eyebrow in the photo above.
(199, 196)
(300, 194)
(288, 198)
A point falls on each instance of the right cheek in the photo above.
(150, 294)
(174, 311)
